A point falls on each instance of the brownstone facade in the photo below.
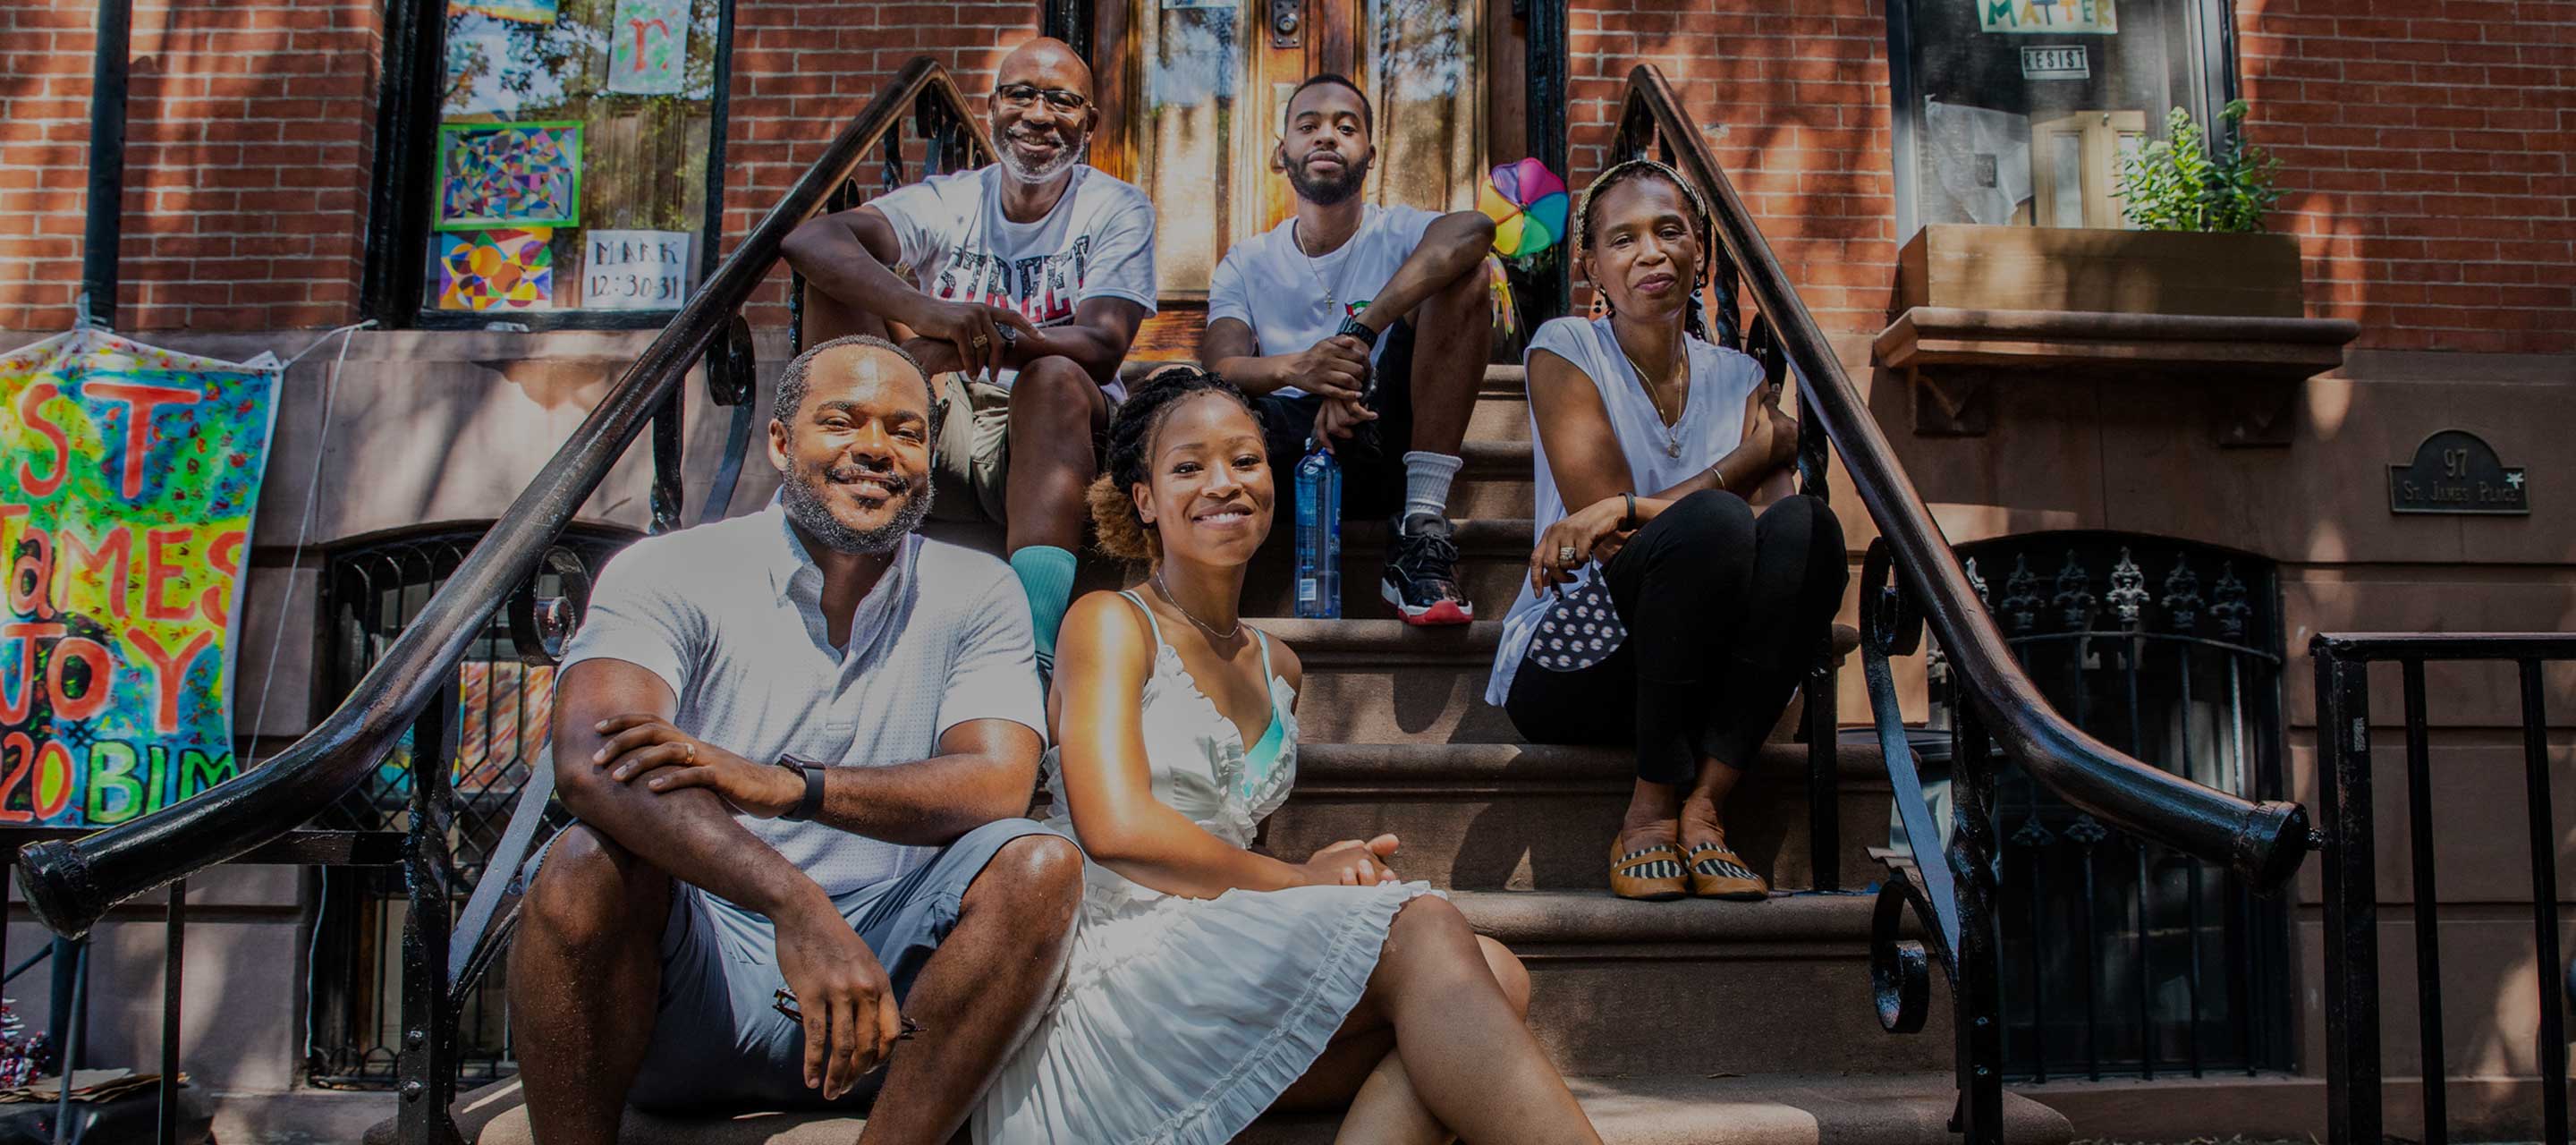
(2427, 163)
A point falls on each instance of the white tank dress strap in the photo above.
(1151, 624)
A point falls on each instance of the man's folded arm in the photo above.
(1097, 339)
(985, 770)
(847, 255)
(1452, 244)
(689, 834)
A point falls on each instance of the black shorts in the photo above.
(1373, 458)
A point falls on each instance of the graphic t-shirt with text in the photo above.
(1098, 242)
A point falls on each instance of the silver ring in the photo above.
(689, 753)
(1565, 554)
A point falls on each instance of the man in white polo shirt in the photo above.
(1295, 318)
(1030, 278)
(798, 744)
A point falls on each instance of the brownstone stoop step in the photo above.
(1674, 1109)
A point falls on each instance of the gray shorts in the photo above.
(717, 1040)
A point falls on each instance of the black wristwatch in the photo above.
(812, 802)
(1354, 328)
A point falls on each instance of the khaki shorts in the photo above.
(973, 467)
(973, 464)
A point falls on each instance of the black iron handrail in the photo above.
(69, 885)
(2265, 841)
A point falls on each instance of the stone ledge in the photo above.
(1951, 355)
(2036, 339)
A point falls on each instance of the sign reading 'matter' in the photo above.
(2456, 471)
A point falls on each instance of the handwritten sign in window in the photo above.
(635, 270)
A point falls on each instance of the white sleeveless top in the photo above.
(1712, 425)
(1201, 767)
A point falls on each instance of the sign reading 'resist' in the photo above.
(635, 270)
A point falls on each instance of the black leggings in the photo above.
(1725, 613)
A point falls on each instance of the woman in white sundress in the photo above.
(1208, 983)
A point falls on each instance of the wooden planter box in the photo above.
(2119, 272)
(1977, 303)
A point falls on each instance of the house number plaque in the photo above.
(2456, 471)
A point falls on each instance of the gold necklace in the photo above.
(1672, 430)
(1176, 604)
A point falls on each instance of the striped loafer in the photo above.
(1717, 872)
(1651, 874)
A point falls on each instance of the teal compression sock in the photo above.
(1046, 574)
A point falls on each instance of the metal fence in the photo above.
(2354, 1051)
(2121, 957)
(370, 592)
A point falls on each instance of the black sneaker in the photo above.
(1421, 578)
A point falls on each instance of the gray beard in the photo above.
(805, 507)
(1063, 162)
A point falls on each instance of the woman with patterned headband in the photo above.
(1675, 592)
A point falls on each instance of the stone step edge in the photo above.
(1656, 1109)
(1385, 640)
(1536, 923)
(1501, 378)
(1529, 769)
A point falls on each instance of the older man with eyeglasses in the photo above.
(1029, 279)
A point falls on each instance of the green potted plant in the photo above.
(2182, 183)
(2194, 244)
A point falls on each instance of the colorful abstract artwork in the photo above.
(648, 47)
(505, 269)
(524, 11)
(125, 516)
(509, 175)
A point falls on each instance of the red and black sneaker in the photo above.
(1421, 578)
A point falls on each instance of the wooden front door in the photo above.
(1192, 92)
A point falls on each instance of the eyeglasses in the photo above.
(1023, 95)
(784, 1001)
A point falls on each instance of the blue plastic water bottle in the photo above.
(1319, 535)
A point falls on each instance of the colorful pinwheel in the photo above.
(1527, 203)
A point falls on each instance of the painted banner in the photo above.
(125, 513)
(648, 47)
(635, 270)
(2044, 17)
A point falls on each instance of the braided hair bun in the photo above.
(1121, 533)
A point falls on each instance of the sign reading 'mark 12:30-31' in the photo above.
(127, 479)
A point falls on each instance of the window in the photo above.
(2121, 957)
(559, 167)
(2018, 112)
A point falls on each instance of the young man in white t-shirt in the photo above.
(1295, 317)
(1032, 276)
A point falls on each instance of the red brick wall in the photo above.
(1795, 104)
(2427, 157)
(250, 139)
(802, 68)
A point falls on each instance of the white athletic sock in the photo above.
(1426, 482)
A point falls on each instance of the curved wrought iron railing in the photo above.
(70, 884)
(1910, 580)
